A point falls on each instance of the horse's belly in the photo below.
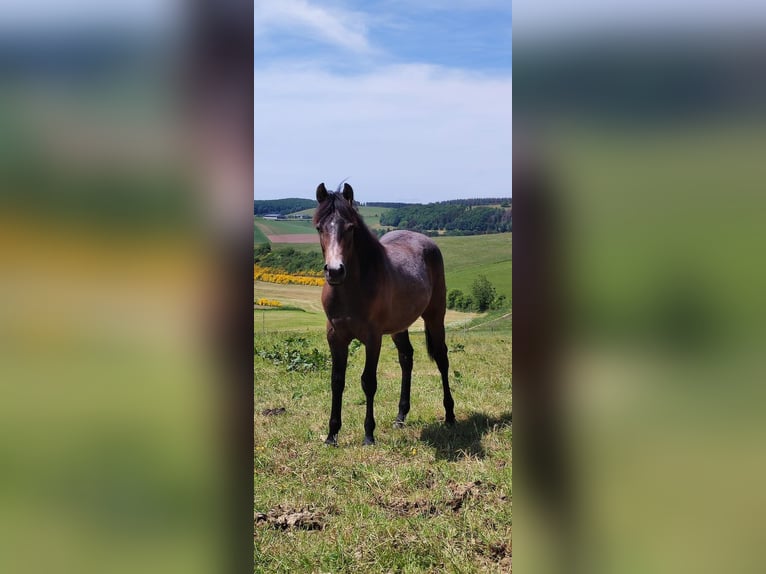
(403, 312)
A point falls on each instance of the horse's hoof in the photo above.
(331, 441)
(368, 441)
(450, 422)
(399, 424)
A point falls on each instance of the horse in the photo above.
(373, 288)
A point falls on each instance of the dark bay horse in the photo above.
(374, 288)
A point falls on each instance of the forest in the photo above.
(451, 217)
(281, 206)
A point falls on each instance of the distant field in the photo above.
(303, 296)
(302, 247)
(278, 232)
(467, 257)
(371, 214)
(284, 227)
(258, 235)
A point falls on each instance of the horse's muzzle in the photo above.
(335, 275)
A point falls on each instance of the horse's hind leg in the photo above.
(403, 345)
(437, 349)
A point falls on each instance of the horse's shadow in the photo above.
(463, 439)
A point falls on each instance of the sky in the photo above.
(411, 101)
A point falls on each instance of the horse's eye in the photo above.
(348, 228)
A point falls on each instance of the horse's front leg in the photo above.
(370, 383)
(339, 353)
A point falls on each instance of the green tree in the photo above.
(455, 299)
(500, 302)
(483, 293)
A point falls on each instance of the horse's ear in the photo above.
(321, 192)
(348, 193)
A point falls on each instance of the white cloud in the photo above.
(341, 28)
(56, 15)
(401, 133)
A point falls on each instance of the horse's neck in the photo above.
(370, 258)
(365, 273)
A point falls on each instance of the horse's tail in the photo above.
(429, 344)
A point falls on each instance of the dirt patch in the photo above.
(285, 518)
(499, 553)
(424, 507)
(294, 238)
(460, 492)
(403, 507)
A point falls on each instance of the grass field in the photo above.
(258, 235)
(425, 498)
(467, 257)
(302, 247)
(284, 227)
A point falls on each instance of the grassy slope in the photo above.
(390, 507)
(302, 247)
(285, 227)
(258, 235)
(467, 257)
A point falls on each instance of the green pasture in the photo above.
(284, 227)
(258, 235)
(468, 256)
(425, 498)
(390, 507)
(302, 247)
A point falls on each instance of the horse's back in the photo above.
(413, 253)
(415, 273)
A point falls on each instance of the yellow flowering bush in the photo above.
(276, 276)
(268, 302)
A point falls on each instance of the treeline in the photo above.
(281, 206)
(501, 201)
(385, 204)
(288, 260)
(454, 218)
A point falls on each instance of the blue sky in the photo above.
(409, 100)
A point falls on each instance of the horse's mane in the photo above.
(336, 202)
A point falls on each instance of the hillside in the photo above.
(467, 257)
(281, 206)
(458, 217)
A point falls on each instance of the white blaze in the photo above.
(333, 255)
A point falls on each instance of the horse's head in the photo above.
(335, 219)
